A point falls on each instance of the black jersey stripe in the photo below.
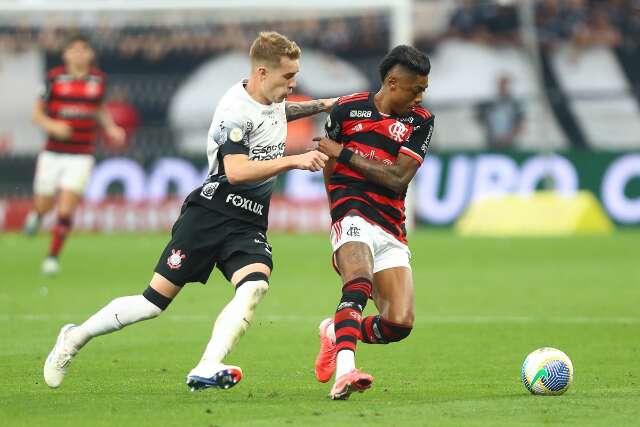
(338, 195)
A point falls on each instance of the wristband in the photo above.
(345, 156)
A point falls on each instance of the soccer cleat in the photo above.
(220, 376)
(50, 266)
(57, 363)
(31, 224)
(326, 359)
(346, 384)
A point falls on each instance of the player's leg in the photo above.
(354, 260)
(251, 282)
(73, 181)
(44, 187)
(114, 316)
(393, 296)
(67, 203)
(192, 262)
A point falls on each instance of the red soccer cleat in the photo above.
(326, 360)
(353, 380)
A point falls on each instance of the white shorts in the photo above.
(387, 251)
(60, 170)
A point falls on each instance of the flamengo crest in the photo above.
(397, 131)
(175, 259)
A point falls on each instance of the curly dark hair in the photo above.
(408, 57)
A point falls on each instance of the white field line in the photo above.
(426, 320)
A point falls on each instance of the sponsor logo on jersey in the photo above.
(268, 152)
(397, 131)
(209, 189)
(175, 259)
(244, 203)
(427, 140)
(360, 114)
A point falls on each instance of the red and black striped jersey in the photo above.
(356, 123)
(75, 101)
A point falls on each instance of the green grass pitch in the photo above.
(482, 305)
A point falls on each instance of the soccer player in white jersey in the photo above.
(224, 221)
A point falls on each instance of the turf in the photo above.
(482, 305)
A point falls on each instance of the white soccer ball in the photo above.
(547, 371)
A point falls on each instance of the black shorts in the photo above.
(202, 238)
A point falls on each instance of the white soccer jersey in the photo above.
(242, 120)
(242, 126)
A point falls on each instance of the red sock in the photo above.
(349, 313)
(59, 233)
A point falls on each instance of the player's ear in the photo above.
(392, 81)
(262, 72)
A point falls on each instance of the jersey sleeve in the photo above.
(333, 124)
(233, 136)
(417, 144)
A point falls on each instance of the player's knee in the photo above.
(394, 332)
(257, 281)
(157, 299)
(357, 273)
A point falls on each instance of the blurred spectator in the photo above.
(485, 22)
(501, 117)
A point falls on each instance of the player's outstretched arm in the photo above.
(298, 110)
(240, 170)
(395, 177)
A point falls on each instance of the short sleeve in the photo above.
(417, 144)
(233, 136)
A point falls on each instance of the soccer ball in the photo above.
(547, 371)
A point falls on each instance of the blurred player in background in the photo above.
(69, 112)
(376, 143)
(224, 221)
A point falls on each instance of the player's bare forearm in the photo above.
(40, 117)
(240, 170)
(104, 118)
(298, 110)
(395, 177)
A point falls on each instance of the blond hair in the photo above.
(270, 46)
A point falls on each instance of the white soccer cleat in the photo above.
(57, 363)
(214, 376)
(50, 266)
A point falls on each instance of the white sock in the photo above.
(345, 362)
(233, 321)
(114, 316)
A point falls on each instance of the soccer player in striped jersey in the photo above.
(69, 112)
(376, 142)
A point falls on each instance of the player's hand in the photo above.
(60, 130)
(328, 104)
(328, 146)
(116, 135)
(312, 161)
